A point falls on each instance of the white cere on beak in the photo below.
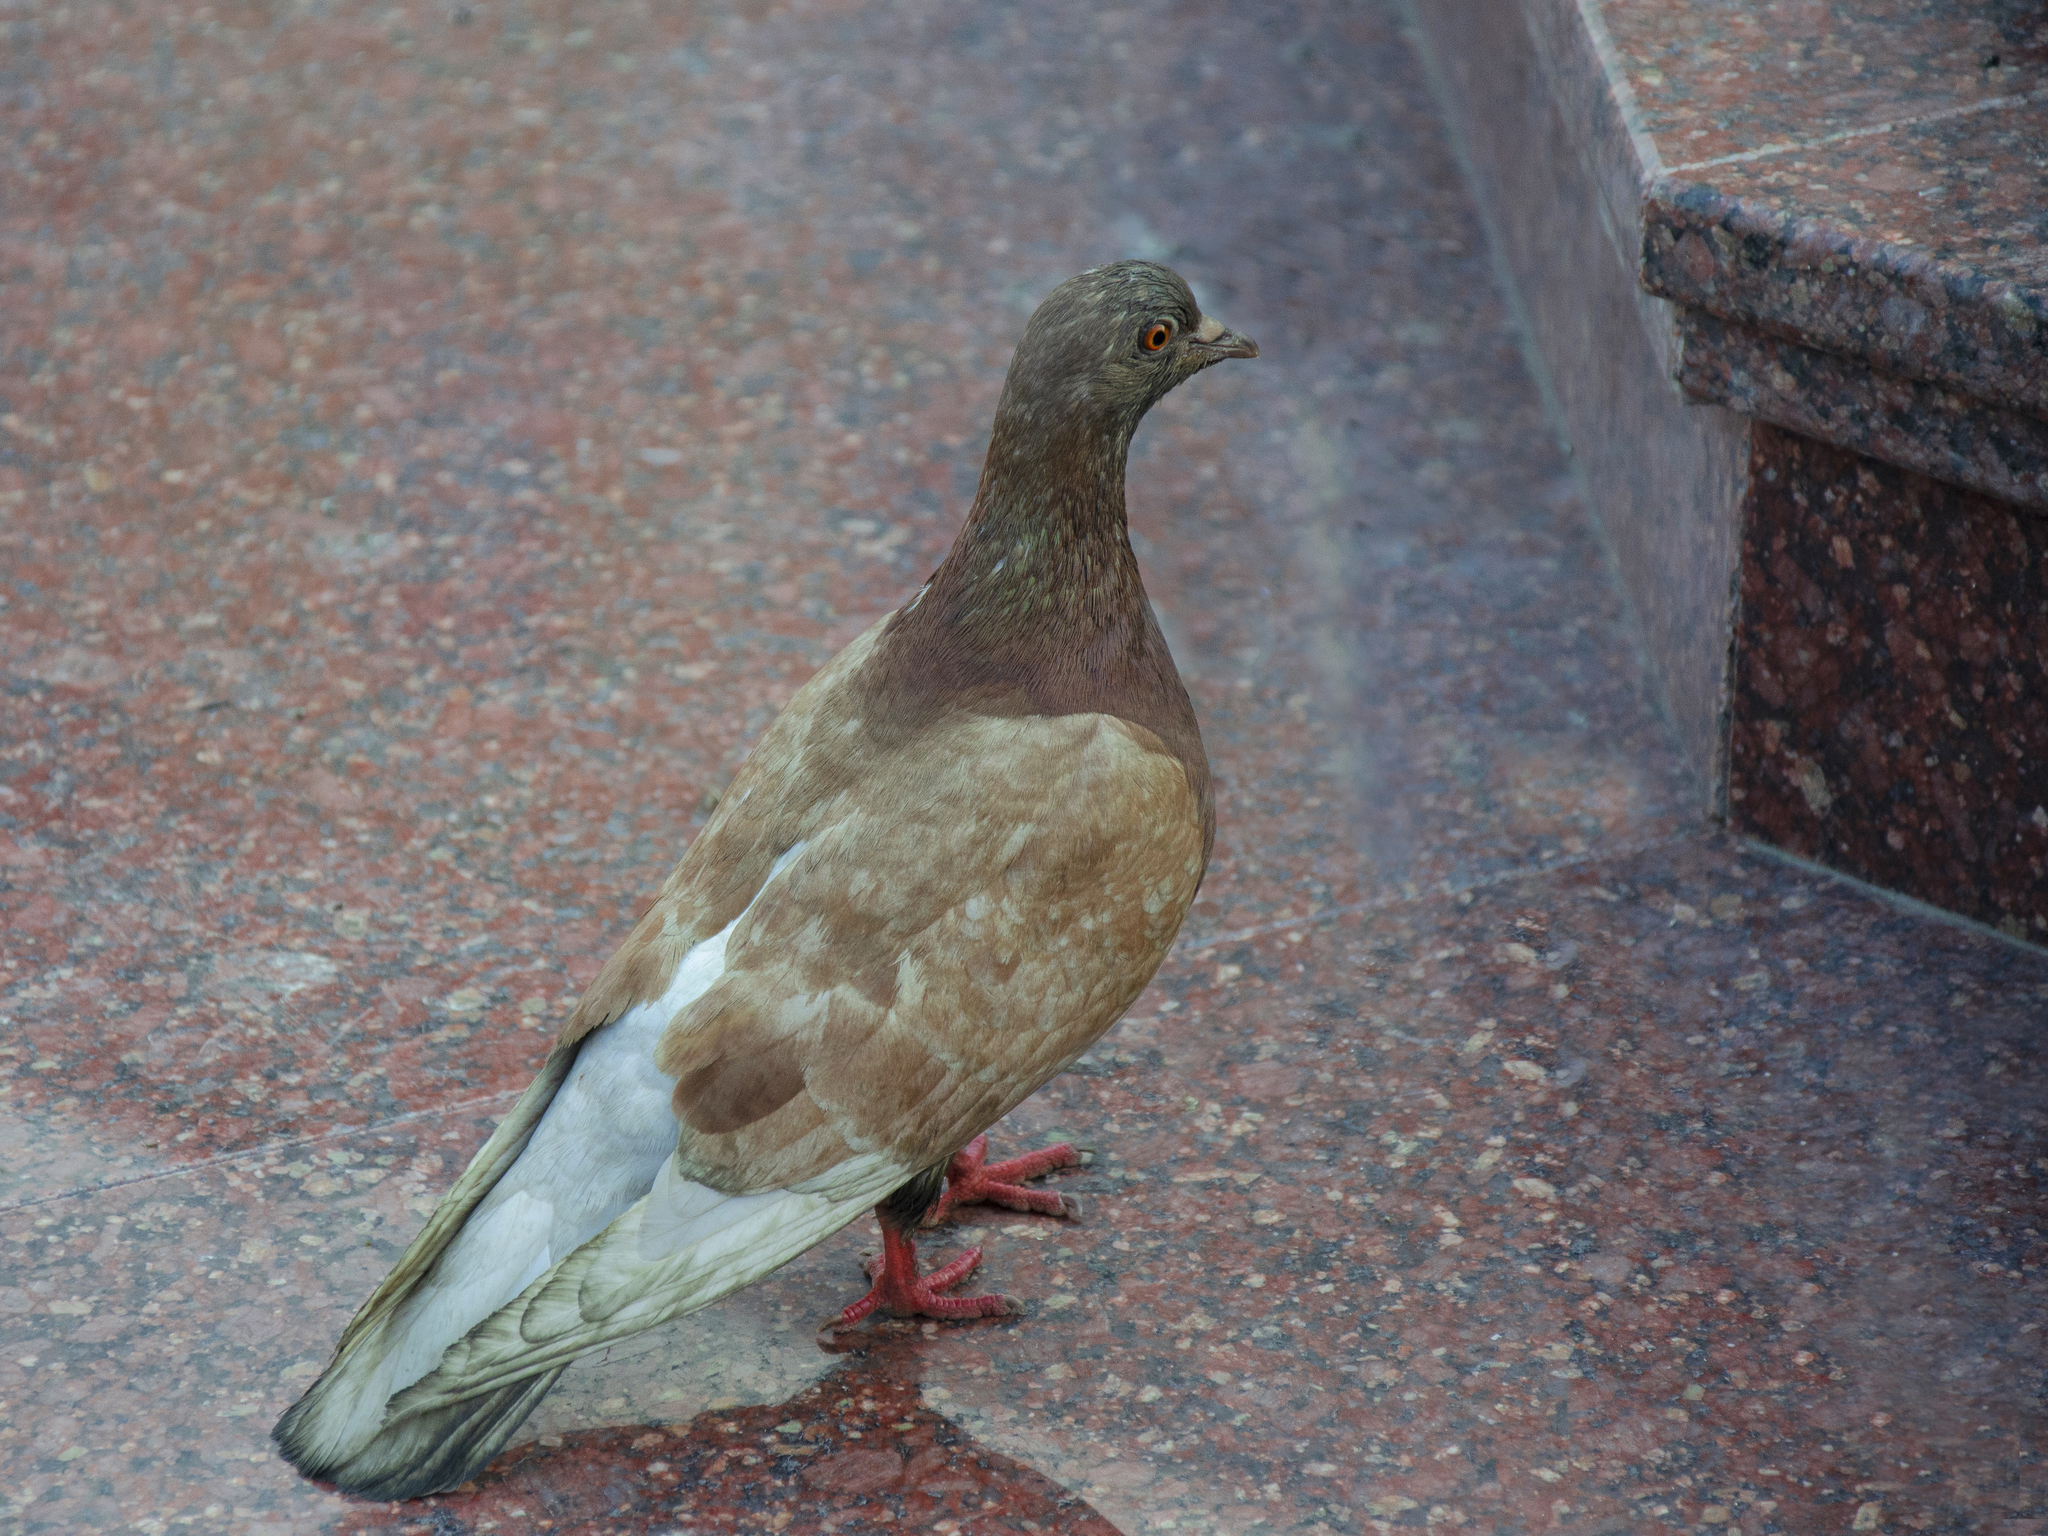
(1209, 329)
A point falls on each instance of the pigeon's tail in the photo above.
(681, 1247)
(582, 1144)
(444, 1282)
(431, 1378)
(435, 1451)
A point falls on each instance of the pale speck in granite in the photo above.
(427, 465)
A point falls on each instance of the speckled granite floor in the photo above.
(437, 438)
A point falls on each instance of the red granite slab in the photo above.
(1718, 80)
(1860, 178)
(1638, 1191)
(1917, 251)
(1827, 219)
(322, 795)
(1891, 681)
(1929, 427)
(394, 577)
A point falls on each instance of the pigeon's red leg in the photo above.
(973, 1180)
(901, 1292)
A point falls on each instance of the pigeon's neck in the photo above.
(1039, 598)
(1038, 609)
(1043, 562)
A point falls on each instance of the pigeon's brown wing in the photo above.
(957, 925)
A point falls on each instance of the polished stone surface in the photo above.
(1915, 129)
(1538, 133)
(1797, 264)
(1716, 81)
(1960, 438)
(1891, 680)
(435, 442)
(1833, 211)
(1664, 1184)
(1861, 177)
(305, 763)
(1858, 176)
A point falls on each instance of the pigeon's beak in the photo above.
(1216, 341)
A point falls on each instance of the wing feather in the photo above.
(951, 937)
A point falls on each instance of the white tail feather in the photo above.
(603, 1139)
(681, 1248)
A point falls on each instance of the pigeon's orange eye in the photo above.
(1157, 335)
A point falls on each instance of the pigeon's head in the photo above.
(1106, 345)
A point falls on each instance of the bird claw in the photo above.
(972, 1180)
(900, 1291)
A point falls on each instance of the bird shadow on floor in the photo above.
(855, 1452)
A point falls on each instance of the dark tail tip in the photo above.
(431, 1450)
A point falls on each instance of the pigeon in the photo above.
(946, 869)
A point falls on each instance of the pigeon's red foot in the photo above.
(901, 1291)
(973, 1180)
